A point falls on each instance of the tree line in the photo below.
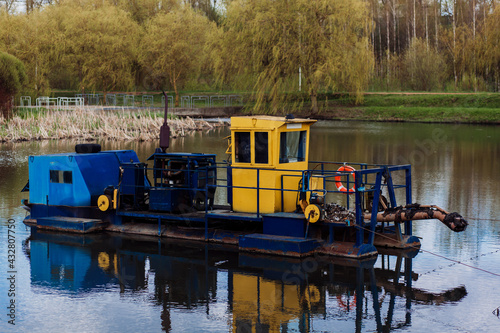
(436, 44)
(284, 51)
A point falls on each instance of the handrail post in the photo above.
(258, 192)
(282, 195)
(408, 224)
(359, 212)
(376, 199)
(206, 206)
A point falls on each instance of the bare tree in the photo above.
(437, 17)
(7, 5)
(455, 41)
(424, 7)
(31, 5)
(394, 25)
(414, 18)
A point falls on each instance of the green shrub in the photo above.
(424, 67)
(12, 78)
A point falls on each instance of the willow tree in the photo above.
(20, 37)
(490, 48)
(142, 10)
(172, 46)
(12, 79)
(271, 42)
(11, 30)
(101, 45)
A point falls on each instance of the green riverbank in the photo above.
(480, 108)
(415, 114)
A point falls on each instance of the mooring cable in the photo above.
(438, 255)
(495, 311)
(453, 264)
(481, 219)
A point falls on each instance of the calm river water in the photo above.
(107, 283)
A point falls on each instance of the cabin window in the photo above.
(58, 176)
(293, 146)
(54, 176)
(261, 148)
(67, 177)
(242, 147)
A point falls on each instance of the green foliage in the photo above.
(421, 107)
(12, 74)
(142, 10)
(18, 37)
(432, 114)
(100, 46)
(12, 79)
(25, 113)
(172, 47)
(266, 42)
(433, 100)
(258, 46)
(489, 49)
(424, 67)
(75, 45)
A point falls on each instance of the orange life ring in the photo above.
(338, 181)
(343, 305)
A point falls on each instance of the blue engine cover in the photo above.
(73, 179)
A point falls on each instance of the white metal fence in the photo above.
(25, 101)
(170, 101)
(60, 102)
(127, 100)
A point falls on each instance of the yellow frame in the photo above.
(245, 199)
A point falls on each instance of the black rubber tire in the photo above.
(87, 148)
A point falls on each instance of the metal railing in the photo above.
(25, 101)
(170, 101)
(128, 100)
(367, 178)
(147, 100)
(66, 102)
(46, 101)
(111, 99)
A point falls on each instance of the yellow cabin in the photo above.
(261, 303)
(268, 155)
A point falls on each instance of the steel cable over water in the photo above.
(496, 311)
(441, 256)
(482, 219)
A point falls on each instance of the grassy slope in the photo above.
(468, 108)
(410, 106)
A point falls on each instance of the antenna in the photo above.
(165, 130)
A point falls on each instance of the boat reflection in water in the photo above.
(264, 293)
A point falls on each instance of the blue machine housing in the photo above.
(182, 181)
(73, 179)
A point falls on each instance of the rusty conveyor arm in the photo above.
(454, 221)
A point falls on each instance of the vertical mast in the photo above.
(165, 130)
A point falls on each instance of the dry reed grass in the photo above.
(88, 124)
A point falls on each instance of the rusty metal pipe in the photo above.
(454, 221)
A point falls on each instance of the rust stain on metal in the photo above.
(388, 240)
(454, 221)
(33, 223)
(281, 253)
(345, 250)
